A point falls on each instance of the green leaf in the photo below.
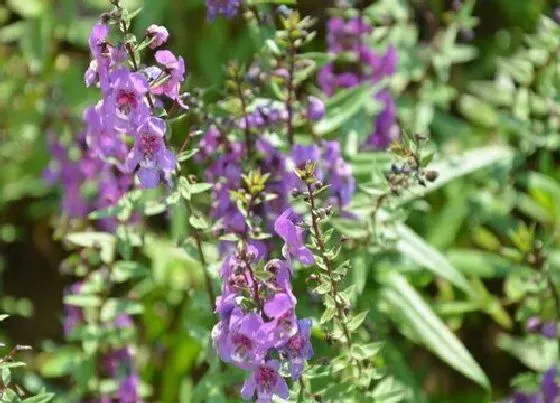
(345, 104)
(3, 317)
(198, 222)
(11, 364)
(408, 309)
(415, 248)
(536, 352)
(82, 300)
(124, 270)
(478, 111)
(357, 321)
(390, 391)
(40, 398)
(351, 228)
(105, 241)
(118, 306)
(479, 263)
(458, 166)
(27, 8)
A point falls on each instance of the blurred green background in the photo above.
(43, 54)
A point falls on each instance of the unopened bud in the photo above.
(431, 176)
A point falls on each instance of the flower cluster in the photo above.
(228, 8)
(548, 329)
(330, 167)
(130, 94)
(89, 183)
(358, 64)
(258, 329)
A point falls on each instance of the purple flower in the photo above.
(548, 392)
(126, 99)
(549, 386)
(158, 34)
(128, 390)
(228, 8)
(294, 247)
(102, 138)
(385, 129)
(315, 109)
(279, 308)
(98, 40)
(299, 349)
(345, 36)
(549, 330)
(533, 324)
(265, 381)
(243, 344)
(151, 154)
(174, 68)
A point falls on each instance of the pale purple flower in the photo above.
(385, 128)
(265, 381)
(298, 349)
(243, 344)
(174, 68)
(549, 330)
(315, 109)
(128, 389)
(346, 36)
(281, 309)
(227, 8)
(294, 246)
(126, 100)
(533, 324)
(150, 154)
(158, 34)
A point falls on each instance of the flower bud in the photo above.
(431, 176)
(315, 109)
(533, 324)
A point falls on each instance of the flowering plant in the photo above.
(316, 209)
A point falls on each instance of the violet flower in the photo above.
(294, 246)
(227, 8)
(150, 154)
(265, 381)
(158, 34)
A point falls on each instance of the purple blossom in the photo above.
(533, 324)
(294, 247)
(549, 330)
(158, 34)
(102, 138)
(315, 109)
(265, 381)
(227, 8)
(125, 102)
(242, 344)
(128, 389)
(385, 128)
(549, 391)
(150, 154)
(299, 349)
(346, 36)
(174, 68)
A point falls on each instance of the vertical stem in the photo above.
(328, 264)
(290, 95)
(207, 279)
